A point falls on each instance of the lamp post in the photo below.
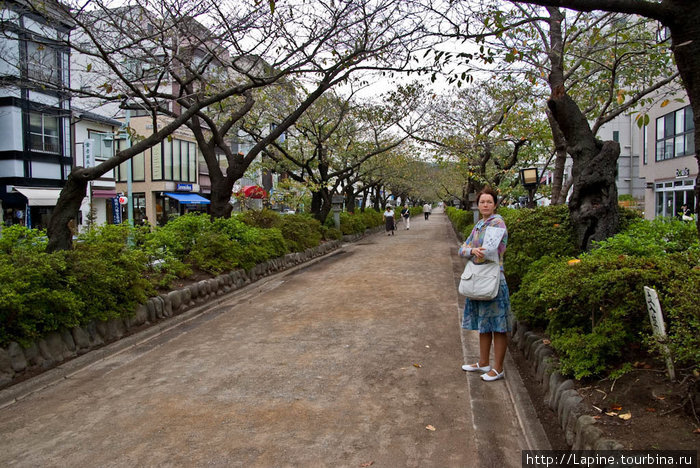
(530, 178)
(129, 178)
(337, 205)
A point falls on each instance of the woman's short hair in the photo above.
(488, 191)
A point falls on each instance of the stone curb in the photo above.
(560, 395)
(62, 353)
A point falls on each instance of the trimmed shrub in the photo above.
(109, 274)
(264, 218)
(462, 220)
(301, 232)
(594, 308)
(36, 295)
(534, 234)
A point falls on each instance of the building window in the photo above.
(675, 134)
(179, 161)
(104, 144)
(616, 136)
(670, 196)
(138, 165)
(42, 63)
(43, 133)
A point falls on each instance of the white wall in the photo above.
(12, 168)
(44, 170)
(10, 129)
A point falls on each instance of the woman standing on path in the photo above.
(389, 220)
(406, 215)
(492, 318)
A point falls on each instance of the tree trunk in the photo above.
(558, 198)
(685, 31)
(593, 204)
(320, 204)
(59, 228)
(350, 198)
(221, 189)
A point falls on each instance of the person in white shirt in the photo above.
(389, 223)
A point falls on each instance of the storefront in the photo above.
(169, 204)
(30, 207)
(671, 195)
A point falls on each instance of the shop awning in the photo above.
(253, 191)
(102, 193)
(188, 198)
(40, 196)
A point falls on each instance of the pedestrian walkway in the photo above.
(349, 361)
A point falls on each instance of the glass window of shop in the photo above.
(166, 209)
(670, 196)
(139, 202)
(138, 169)
(176, 161)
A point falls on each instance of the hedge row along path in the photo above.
(353, 360)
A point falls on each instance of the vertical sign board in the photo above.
(657, 325)
(116, 211)
(89, 153)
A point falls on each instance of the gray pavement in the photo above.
(351, 360)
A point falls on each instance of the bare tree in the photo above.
(201, 64)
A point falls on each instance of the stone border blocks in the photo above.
(560, 395)
(65, 344)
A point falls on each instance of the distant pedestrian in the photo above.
(406, 215)
(685, 214)
(389, 222)
(427, 209)
(492, 318)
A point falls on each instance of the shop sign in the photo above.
(88, 153)
(680, 173)
(116, 210)
(184, 187)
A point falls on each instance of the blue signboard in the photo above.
(116, 211)
(184, 187)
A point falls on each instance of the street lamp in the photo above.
(529, 178)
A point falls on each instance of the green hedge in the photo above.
(113, 268)
(101, 278)
(593, 306)
(358, 222)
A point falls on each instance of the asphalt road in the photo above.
(351, 361)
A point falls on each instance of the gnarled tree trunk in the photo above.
(593, 204)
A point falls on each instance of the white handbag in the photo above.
(480, 281)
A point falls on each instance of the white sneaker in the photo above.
(475, 368)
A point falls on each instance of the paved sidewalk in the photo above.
(351, 360)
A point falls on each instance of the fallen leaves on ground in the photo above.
(417, 365)
(363, 465)
(625, 416)
(430, 427)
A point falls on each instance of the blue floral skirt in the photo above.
(489, 316)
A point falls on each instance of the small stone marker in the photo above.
(657, 325)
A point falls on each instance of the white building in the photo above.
(35, 111)
(668, 164)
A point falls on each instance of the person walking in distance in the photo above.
(389, 223)
(406, 215)
(493, 319)
(427, 208)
